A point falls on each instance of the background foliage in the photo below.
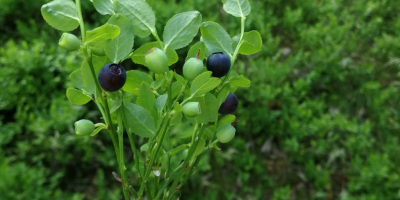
(320, 120)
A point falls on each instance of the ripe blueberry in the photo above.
(191, 109)
(84, 127)
(69, 42)
(230, 104)
(219, 63)
(156, 60)
(192, 68)
(225, 133)
(112, 77)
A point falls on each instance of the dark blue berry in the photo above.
(230, 104)
(219, 64)
(112, 77)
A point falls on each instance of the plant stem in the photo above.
(121, 162)
(154, 33)
(81, 24)
(153, 157)
(236, 52)
(136, 157)
(188, 158)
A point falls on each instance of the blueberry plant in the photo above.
(144, 106)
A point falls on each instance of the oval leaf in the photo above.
(61, 15)
(134, 79)
(146, 99)
(87, 77)
(118, 48)
(139, 120)
(209, 109)
(237, 8)
(251, 43)
(102, 34)
(140, 14)
(203, 83)
(181, 29)
(138, 54)
(192, 53)
(215, 38)
(104, 7)
(77, 97)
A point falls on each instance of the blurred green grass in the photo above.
(320, 120)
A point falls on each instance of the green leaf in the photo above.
(215, 38)
(118, 48)
(160, 102)
(144, 147)
(102, 34)
(138, 54)
(87, 77)
(179, 78)
(181, 29)
(223, 94)
(239, 81)
(146, 99)
(251, 43)
(209, 109)
(175, 89)
(140, 14)
(77, 97)
(177, 149)
(61, 15)
(227, 119)
(237, 8)
(76, 78)
(195, 49)
(134, 79)
(99, 62)
(139, 120)
(203, 83)
(104, 7)
(115, 102)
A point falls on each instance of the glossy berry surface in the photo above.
(219, 64)
(230, 105)
(192, 68)
(156, 60)
(226, 133)
(112, 77)
(84, 127)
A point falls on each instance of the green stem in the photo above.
(236, 52)
(136, 158)
(168, 181)
(154, 155)
(154, 33)
(80, 19)
(121, 162)
(188, 158)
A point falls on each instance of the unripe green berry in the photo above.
(226, 133)
(191, 109)
(156, 60)
(192, 68)
(84, 127)
(69, 42)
